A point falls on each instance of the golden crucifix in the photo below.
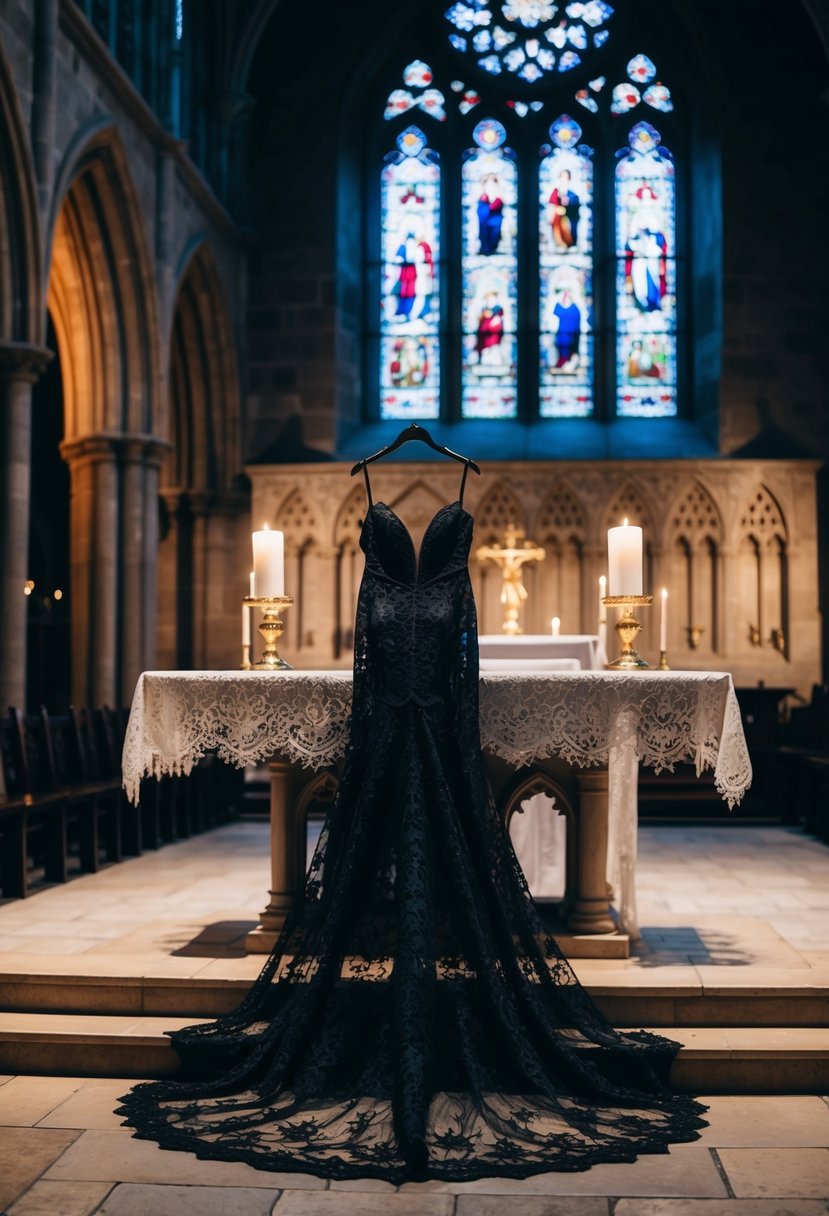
(511, 558)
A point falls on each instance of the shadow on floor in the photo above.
(679, 945)
(224, 939)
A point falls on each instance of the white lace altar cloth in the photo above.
(586, 718)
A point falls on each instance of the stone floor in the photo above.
(714, 901)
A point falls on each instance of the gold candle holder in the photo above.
(271, 628)
(246, 663)
(663, 662)
(627, 628)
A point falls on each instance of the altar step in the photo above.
(712, 1060)
(786, 997)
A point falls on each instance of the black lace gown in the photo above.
(415, 1019)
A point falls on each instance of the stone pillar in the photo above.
(591, 909)
(153, 455)
(94, 512)
(140, 459)
(44, 61)
(20, 366)
(284, 881)
(131, 554)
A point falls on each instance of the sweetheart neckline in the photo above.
(416, 556)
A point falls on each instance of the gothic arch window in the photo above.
(695, 550)
(526, 221)
(763, 571)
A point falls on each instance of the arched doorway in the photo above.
(198, 608)
(101, 298)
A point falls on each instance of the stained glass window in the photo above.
(645, 277)
(472, 302)
(410, 304)
(565, 244)
(489, 268)
(530, 39)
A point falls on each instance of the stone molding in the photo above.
(127, 448)
(22, 361)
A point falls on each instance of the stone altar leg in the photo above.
(590, 912)
(284, 879)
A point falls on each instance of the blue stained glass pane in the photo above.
(565, 243)
(646, 321)
(410, 301)
(659, 97)
(489, 266)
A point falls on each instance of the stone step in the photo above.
(783, 998)
(712, 1060)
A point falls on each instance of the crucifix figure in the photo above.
(511, 558)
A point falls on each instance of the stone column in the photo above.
(590, 911)
(153, 455)
(94, 511)
(20, 366)
(284, 882)
(131, 554)
(44, 73)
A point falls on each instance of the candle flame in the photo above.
(265, 528)
(625, 522)
(664, 593)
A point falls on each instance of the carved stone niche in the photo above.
(735, 542)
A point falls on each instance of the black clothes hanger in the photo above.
(414, 431)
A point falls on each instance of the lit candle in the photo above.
(624, 560)
(268, 563)
(555, 625)
(663, 620)
(245, 625)
(252, 591)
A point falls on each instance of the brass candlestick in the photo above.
(271, 628)
(627, 628)
(663, 661)
(246, 663)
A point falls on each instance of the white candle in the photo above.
(555, 625)
(252, 591)
(245, 625)
(663, 620)
(624, 560)
(269, 563)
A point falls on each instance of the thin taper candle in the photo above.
(663, 619)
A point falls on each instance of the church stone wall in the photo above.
(734, 541)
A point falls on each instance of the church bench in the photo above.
(33, 819)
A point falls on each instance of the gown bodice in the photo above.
(410, 648)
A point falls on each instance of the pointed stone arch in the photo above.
(693, 560)
(695, 517)
(204, 379)
(200, 544)
(556, 585)
(499, 508)
(298, 520)
(762, 518)
(349, 567)
(21, 317)
(101, 293)
(763, 571)
(628, 502)
(350, 519)
(101, 296)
